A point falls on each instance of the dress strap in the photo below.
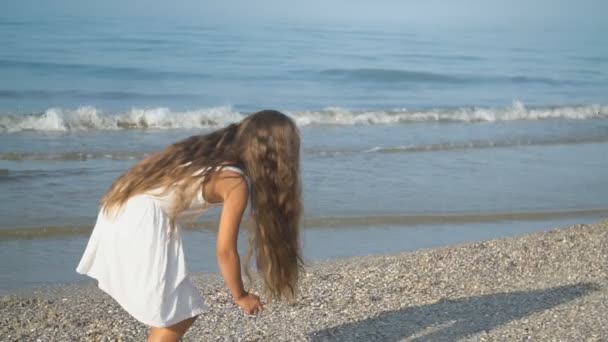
(221, 167)
(231, 168)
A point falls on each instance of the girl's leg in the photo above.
(172, 333)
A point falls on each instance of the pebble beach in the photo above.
(548, 286)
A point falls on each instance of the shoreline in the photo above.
(551, 285)
(36, 264)
(42, 232)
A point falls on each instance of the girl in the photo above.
(136, 252)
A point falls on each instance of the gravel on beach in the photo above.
(550, 286)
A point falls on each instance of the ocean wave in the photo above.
(71, 156)
(476, 145)
(8, 176)
(406, 220)
(78, 156)
(104, 71)
(390, 75)
(446, 57)
(91, 118)
(518, 111)
(598, 59)
(411, 76)
(77, 94)
(463, 145)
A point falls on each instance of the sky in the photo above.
(482, 13)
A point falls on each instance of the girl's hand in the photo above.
(250, 304)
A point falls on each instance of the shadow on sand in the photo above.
(451, 320)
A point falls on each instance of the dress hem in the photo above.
(195, 312)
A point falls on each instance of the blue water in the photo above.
(483, 133)
(118, 64)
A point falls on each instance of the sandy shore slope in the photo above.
(550, 286)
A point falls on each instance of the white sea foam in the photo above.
(90, 118)
(518, 111)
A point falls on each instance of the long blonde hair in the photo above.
(266, 146)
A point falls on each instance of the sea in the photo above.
(411, 137)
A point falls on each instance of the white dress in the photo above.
(139, 261)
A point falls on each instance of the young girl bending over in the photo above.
(136, 251)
